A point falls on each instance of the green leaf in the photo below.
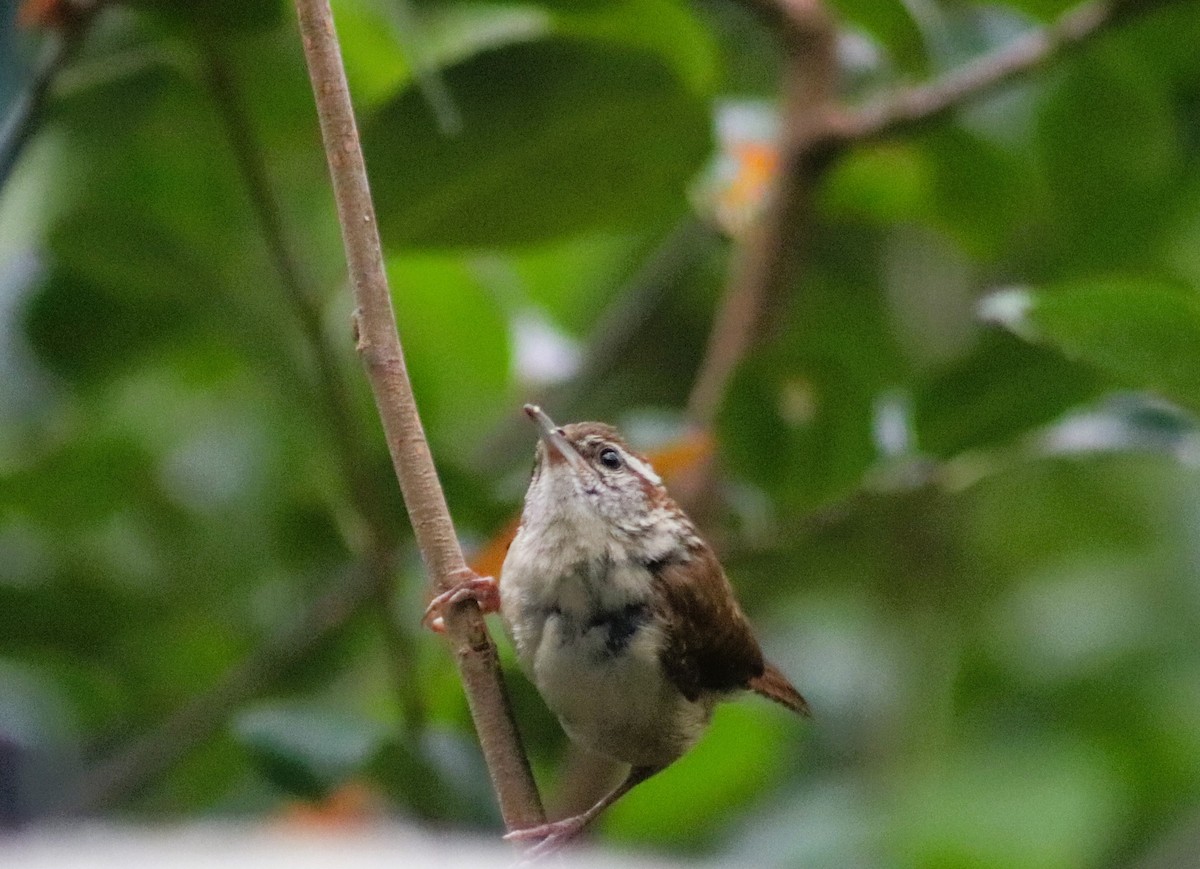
(80, 483)
(886, 183)
(1142, 333)
(557, 137)
(308, 751)
(1044, 10)
(219, 16)
(663, 27)
(379, 62)
(958, 182)
(440, 776)
(1001, 389)
(799, 426)
(1110, 149)
(980, 192)
(1041, 805)
(798, 417)
(892, 24)
(113, 297)
(573, 279)
(456, 345)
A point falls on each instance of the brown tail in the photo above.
(773, 685)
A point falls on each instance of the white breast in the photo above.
(589, 640)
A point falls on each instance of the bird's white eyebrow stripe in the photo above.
(640, 468)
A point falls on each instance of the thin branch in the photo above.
(378, 344)
(748, 298)
(817, 128)
(155, 752)
(362, 489)
(301, 297)
(764, 264)
(620, 324)
(935, 100)
(26, 111)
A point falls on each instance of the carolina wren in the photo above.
(619, 611)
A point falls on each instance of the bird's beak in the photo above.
(556, 442)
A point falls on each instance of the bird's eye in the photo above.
(610, 458)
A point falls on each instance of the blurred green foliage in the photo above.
(970, 539)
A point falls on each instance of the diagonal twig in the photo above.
(361, 487)
(619, 326)
(153, 753)
(817, 128)
(934, 100)
(26, 111)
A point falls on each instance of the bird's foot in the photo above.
(550, 838)
(484, 590)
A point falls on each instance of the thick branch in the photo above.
(934, 100)
(379, 345)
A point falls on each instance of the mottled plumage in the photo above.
(620, 613)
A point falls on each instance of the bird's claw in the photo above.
(484, 590)
(550, 837)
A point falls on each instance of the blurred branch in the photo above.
(765, 263)
(301, 297)
(934, 100)
(158, 750)
(816, 128)
(378, 344)
(621, 322)
(151, 754)
(361, 487)
(67, 28)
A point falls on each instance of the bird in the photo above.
(619, 611)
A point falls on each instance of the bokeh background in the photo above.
(955, 481)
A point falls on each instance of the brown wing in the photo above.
(710, 646)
